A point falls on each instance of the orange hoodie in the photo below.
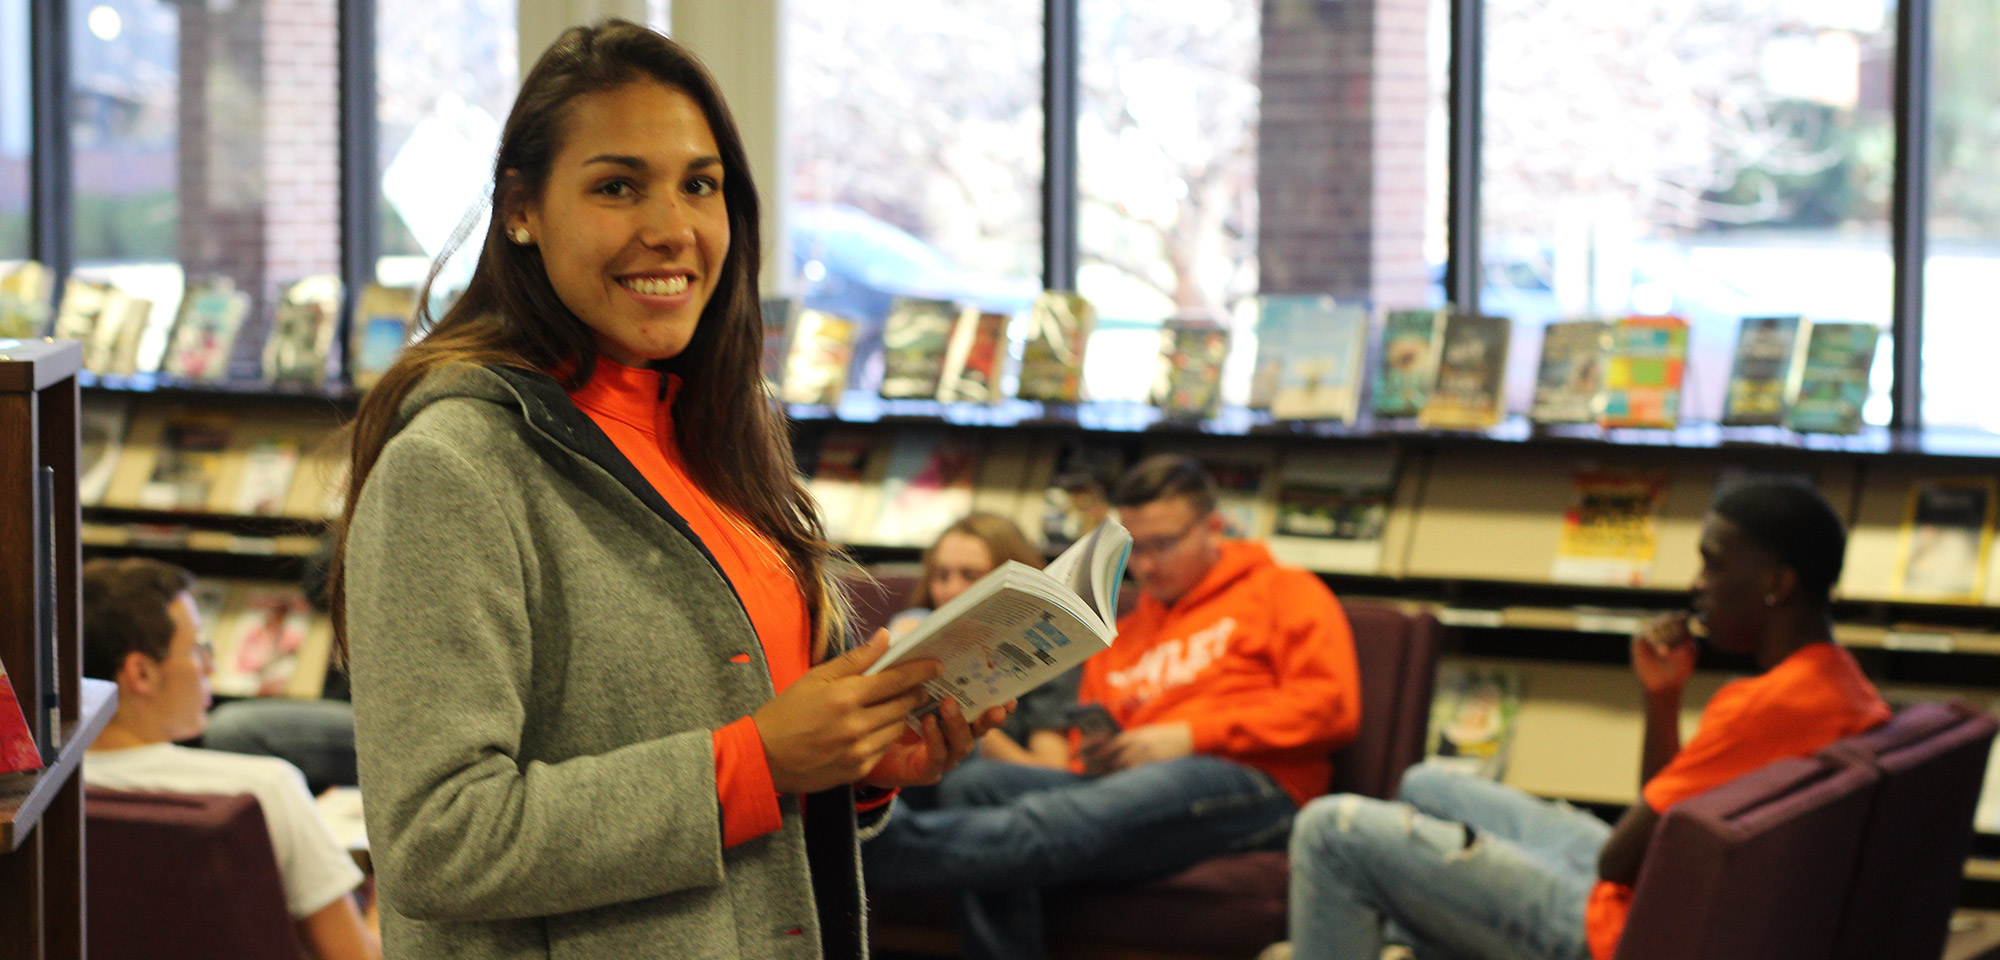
(1257, 659)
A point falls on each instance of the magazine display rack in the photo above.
(41, 812)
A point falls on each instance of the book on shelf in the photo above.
(302, 331)
(915, 338)
(1006, 477)
(187, 464)
(1332, 509)
(928, 480)
(205, 332)
(1473, 716)
(777, 314)
(1018, 627)
(78, 312)
(1832, 385)
(1188, 381)
(1611, 531)
(1076, 496)
(844, 481)
(270, 643)
(319, 482)
(113, 347)
(1310, 351)
(1946, 543)
(1642, 378)
(18, 750)
(1059, 328)
(1767, 352)
(24, 300)
(1408, 363)
(1570, 381)
(383, 319)
(101, 427)
(263, 481)
(817, 358)
(1471, 369)
(973, 361)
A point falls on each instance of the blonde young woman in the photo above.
(601, 705)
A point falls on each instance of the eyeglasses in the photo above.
(1155, 546)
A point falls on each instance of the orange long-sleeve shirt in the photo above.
(1257, 659)
(628, 405)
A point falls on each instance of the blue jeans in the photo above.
(317, 736)
(1006, 831)
(1462, 867)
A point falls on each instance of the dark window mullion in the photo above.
(360, 238)
(1468, 54)
(51, 187)
(1060, 200)
(1908, 215)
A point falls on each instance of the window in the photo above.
(445, 77)
(1167, 161)
(1960, 335)
(17, 120)
(915, 143)
(205, 147)
(1712, 161)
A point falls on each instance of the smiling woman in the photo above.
(585, 598)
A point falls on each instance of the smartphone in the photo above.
(1092, 720)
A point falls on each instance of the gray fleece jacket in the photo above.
(540, 650)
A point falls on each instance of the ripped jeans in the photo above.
(1461, 868)
(1003, 832)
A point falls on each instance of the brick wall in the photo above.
(1340, 174)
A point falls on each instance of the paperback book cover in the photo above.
(24, 300)
(1766, 354)
(1310, 351)
(1947, 540)
(18, 751)
(266, 478)
(1570, 381)
(302, 329)
(972, 363)
(77, 315)
(1611, 531)
(1333, 508)
(777, 314)
(270, 644)
(1473, 718)
(1189, 382)
(187, 465)
(382, 322)
(929, 480)
(1642, 382)
(1471, 367)
(1019, 627)
(135, 323)
(121, 319)
(1059, 328)
(915, 338)
(1833, 378)
(822, 346)
(102, 439)
(842, 482)
(205, 333)
(1409, 362)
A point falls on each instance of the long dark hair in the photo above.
(510, 315)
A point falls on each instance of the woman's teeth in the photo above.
(655, 286)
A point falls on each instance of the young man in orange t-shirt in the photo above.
(1230, 685)
(1467, 867)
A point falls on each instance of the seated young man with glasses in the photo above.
(141, 630)
(1229, 686)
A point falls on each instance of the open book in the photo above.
(1018, 627)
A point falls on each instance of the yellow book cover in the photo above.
(1611, 530)
(1947, 540)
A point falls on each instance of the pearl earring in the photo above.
(521, 235)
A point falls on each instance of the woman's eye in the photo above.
(703, 186)
(616, 188)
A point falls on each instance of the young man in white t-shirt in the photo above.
(141, 630)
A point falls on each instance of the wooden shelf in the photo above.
(24, 796)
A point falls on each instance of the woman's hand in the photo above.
(834, 725)
(923, 757)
